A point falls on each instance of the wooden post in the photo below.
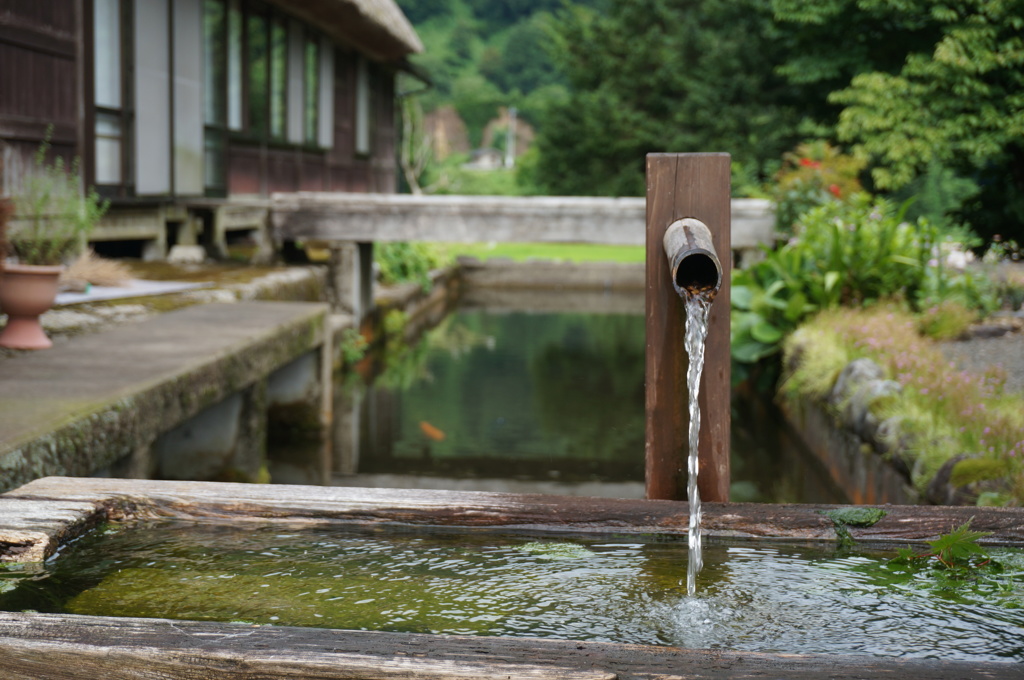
(679, 186)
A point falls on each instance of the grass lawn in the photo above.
(565, 252)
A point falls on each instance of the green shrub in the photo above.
(842, 253)
(814, 174)
(945, 321)
(406, 262)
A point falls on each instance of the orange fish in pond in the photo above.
(431, 431)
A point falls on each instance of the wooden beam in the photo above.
(66, 647)
(469, 219)
(681, 186)
(37, 517)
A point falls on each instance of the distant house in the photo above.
(484, 159)
(180, 108)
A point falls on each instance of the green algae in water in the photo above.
(558, 551)
(772, 599)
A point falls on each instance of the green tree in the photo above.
(666, 75)
(828, 42)
(922, 85)
(477, 101)
(525, 62)
(959, 102)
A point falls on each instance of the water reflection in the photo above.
(517, 401)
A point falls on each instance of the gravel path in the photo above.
(978, 354)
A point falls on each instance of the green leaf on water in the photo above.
(957, 548)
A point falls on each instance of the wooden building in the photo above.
(185, 111)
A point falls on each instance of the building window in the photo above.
(108, 148)
(214, 62)
(269, 77)
(278, 78)
(215, 100)
(362, 123)
(234, 66)
(325, 118)
(259, 74)
(107, 92)
(311, 90)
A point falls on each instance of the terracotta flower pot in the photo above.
(26, 291)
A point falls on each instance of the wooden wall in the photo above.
(39, 82)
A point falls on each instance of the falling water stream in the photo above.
(697, 306)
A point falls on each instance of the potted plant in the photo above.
(54, 222)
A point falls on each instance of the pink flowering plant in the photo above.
(942, 412)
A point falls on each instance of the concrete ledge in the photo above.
(82, 406)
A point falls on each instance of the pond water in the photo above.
(520, 401)
(768, 598)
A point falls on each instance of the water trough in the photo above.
(47, 513)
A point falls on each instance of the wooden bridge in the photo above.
(365, 218)
(350, 223)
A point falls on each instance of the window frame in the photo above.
(124, 114)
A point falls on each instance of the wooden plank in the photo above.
(469, 219)
(681, 186)
(65, 647)
(474, 511)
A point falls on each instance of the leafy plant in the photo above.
(60, 219)
(814, 174)
(353, 346)
(842, 253)
(405, 262)
(958, 549)
(937, 194)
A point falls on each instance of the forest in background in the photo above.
(930, 96)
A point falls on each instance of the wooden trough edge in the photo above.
(36, 518)
(61, 647)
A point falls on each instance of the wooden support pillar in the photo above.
(680, 186)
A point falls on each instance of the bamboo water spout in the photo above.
(692, 260)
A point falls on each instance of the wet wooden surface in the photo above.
(680, 186)
(65, 647)
(121, 498)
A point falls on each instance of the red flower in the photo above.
(808, 163)
(835, 190)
